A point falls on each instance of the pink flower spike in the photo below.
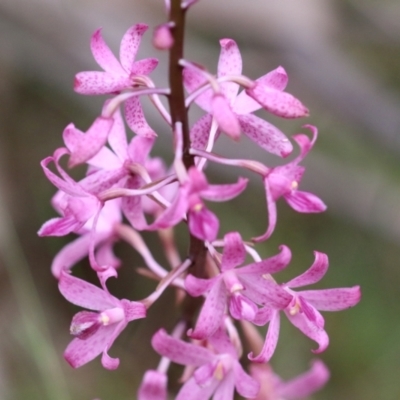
(118, 75)
(95, 331)
(84, 146)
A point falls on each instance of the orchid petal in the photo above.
(229, 63)
(241, 308)
(226, 119)
(60, 226)
(103, 55)
(117, 136)
(197, 286)
(226, 388)
(305, 143)
(205, 374)
(264, 291)
(265, 135)
(272, 214)
(70, 187)
(310, 329)
(200, 132)
(84, 294)
(144, 67)
(269, 265)
(192, 391)
(132, 205)
(193, 79)
(98, 82)
(333, 299)
(221, 343)
(224, 192)
(84, 146)
(276, 79)
(179, 351)
(135, 118)
(305, 202)
(105, 159)
(105, 255)
(263, 316)
(276, 102)
(108, 362)
(130, 45)
(80, 352)
(72, 253)
(212, 312)
(246, 386)
(139, 148)
(203, 224)
(314, 274)
(305, 384)
(271, 341)
(97, 182)
(153, 386)
(173, 214)
(234, 252)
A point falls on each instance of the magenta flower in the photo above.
(273, 388)
(241, 289)
(217, 373)
(78, 202)
(95, 331)
(202, 222)
(283, 181)
(302, 311)
(234, 112)
(122, 156)
(117, 75)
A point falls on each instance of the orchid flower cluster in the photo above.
(127, 190)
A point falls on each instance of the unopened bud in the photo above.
(162, 37)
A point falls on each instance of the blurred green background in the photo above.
(343, 61)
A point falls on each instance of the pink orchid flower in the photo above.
(202, 222)
(283, 181)
(121, 156)
(239, 288)
(304, 385)
(218, 371)
(233, 112)
(117, 75)
(95, 331)
(302, 310)
(78, 202)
